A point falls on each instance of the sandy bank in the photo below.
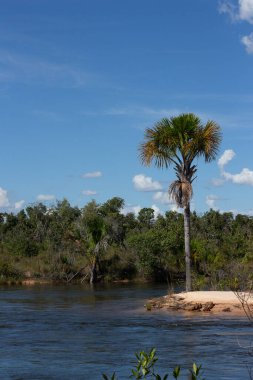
(205, 302)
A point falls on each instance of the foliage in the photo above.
(63, 243)
(145, 369)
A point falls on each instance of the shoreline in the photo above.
(205, 303)
(48, 281)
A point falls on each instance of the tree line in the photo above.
(99, 243)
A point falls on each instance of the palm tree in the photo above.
(178, 141)
(97, 242)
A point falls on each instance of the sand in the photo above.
(207, 302)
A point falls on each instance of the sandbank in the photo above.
(206, 303)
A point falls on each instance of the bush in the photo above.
(145, 369)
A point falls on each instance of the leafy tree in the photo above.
(62, 218)
(178, 141)
(146, 217)
(114, 220)
(112, 207)
(17, 236)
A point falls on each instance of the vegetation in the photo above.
(145, 369)
(99, 243)
(178, 141)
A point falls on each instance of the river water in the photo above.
(74, 332)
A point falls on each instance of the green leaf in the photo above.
(176, 372)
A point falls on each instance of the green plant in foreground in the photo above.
(145, 369)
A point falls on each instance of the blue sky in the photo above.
(81, 80)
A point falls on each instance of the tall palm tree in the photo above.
(178, 141)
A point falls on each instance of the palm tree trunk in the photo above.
(187, 248)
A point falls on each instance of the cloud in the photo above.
(18, 205)
(246, 10)
(5, 203)
(140, 111)
(136, 111)
(136, 209)
(4, 200)
(228, 8)
(143, 183)
(247, 41)
(245, 177)
(163, 198)
(217, 181)
(211, 201)
(17, 68)
(92, 175)
(242, 11)
(227, 156)
(45, 197)
(157, 211)
(89, 192)
(176, 209)
(132, 209)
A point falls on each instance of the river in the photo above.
(74, 332)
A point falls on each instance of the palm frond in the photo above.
(211, 140)
(206, 141)
(159, 145)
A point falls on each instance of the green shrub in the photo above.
(145, 369)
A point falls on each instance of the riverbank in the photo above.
(48, 281)
(206, 302)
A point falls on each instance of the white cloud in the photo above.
(225, 158)
(18, 205)
(211, 201)
(17, 68)
(143, 183)
(246, 10)
(175, 208)
(229, 8)
(45, 197)
(247, 41)
(243, 10)
(4, 201)
(157, 211)
(130, 208)
(245, 177)
(89, 192)
(136, 209)
(163, 198)
(217, 181)
(92, 174)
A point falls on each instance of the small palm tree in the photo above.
(97, 242)
(178, 141)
